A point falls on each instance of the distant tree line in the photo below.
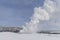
(50, 32)
(10, 29)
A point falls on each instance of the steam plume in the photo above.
(40, 13)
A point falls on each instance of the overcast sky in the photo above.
(17, 12)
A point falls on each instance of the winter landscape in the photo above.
(43, 24)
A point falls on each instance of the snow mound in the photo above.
(16, 36)
(34, 36)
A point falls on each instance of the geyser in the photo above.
(40, 13)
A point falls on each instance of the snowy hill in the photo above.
(34, 36)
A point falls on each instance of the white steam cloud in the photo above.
(40, 13)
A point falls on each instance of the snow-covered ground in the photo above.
(34, 36)
(49, 36)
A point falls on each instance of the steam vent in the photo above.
(10, 29)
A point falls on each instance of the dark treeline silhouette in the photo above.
(10, 29)
(50, 32)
